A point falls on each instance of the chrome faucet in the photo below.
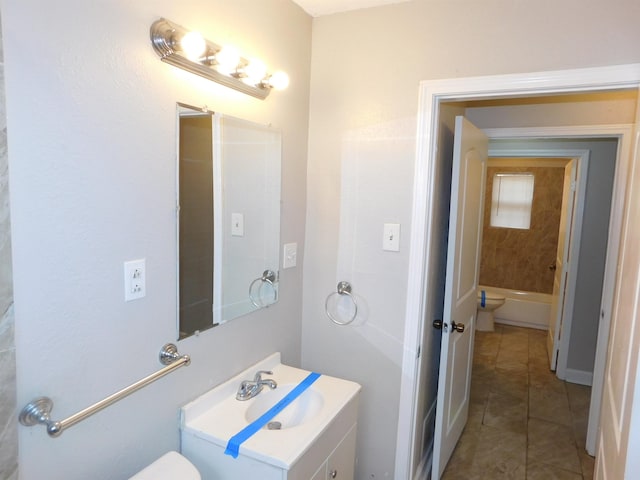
(249, 389)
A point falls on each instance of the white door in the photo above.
(561, 265)
(619, 437)
(460, 304)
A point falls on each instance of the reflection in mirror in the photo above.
(195, 220)
(229, 218)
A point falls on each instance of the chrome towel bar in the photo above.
(38, 411)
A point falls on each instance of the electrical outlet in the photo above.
(134, 280)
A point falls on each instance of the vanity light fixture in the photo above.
(190, 51)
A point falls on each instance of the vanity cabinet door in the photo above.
(341, 462)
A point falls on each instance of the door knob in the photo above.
(552, 267)
(458, 327)
(437, 324)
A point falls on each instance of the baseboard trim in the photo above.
(578, 376)
(516, 323)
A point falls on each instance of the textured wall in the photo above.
(519, 259)
(8, 422)
(92, 150)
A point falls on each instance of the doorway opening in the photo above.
(573, 271)
(418, 389)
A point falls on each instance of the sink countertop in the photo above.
(216, 416)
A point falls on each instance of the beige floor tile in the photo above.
(454, 473)
(579, 398)
(523, 421)
(512, 364)
(539, 362)
(580, 424)
(487, 344)
(538, 354)
(538, 349)
(476, 417)
(511, 331)
(550, 405)
(552, 444)
(500, 454)
(461, 461)
(510, 383)
(588, 465)
(533, 332)
(482, 370)
(506, 412)
(540, 471)
(516, 348)
(542, 377)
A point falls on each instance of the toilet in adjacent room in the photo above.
(488, 301)
(171, 466)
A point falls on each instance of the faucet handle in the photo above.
(259, 374)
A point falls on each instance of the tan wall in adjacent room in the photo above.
(519, 259)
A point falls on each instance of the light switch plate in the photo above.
(290, 254)
(237, 225)
(391, 237)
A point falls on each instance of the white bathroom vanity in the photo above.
(314, 437)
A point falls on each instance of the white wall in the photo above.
(91, 122)
(366, 67)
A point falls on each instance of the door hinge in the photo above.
(419, 351)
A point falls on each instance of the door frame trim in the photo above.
(431, 94)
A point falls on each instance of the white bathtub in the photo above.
(523, 309)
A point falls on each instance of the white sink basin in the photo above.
(302, 409)
(216, 416)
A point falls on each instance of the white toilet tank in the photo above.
(170, 466)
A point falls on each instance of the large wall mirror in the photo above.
(228, 218)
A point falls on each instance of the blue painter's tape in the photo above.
(483, 299)
(233, 445)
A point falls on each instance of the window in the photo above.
(511, 200)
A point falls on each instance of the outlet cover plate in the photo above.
(134, 280)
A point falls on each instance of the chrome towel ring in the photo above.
(268, 277)
(344, 288)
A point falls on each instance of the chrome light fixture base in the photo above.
(165, 39)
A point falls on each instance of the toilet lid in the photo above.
(172, 466)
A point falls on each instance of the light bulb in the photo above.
(193, 45)
(279, 80)
(228, 59)
(255, 71)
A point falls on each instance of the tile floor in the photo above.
(524, 423)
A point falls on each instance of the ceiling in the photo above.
(317, 8)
